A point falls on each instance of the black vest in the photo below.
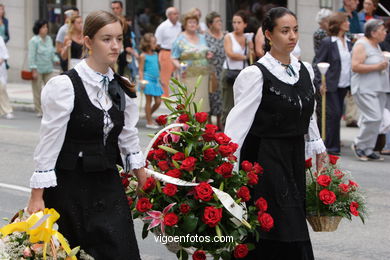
(84, 133)
(280, 114)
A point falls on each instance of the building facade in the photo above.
(23, 13)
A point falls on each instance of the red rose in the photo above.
(308, 163)
(240, 251)
(232, 158)
(339, 174)
(225, 150)
(170, 189)
(201, 117)
(257, 168)
(185, 208)
(212, 216)
(265, 220)
(163, 165)
(209, 132)
(324, 180)
(203, 191)
(188, 164)
(159, 140)
(125, 182)
(353, 207)
(180, 107)
(233, 146)
(149, 185)
(171, 219)
(333, 159)
(143, 205)
(221, 138)
(150, 155)
(353, 184)
(130, 200)
(179, 156)
(327, 197)
(183, 118)
(244, 193)
(225, 170)
(261, 204)
(344, 187)
(162, 120)
(199, 255)
(160, 154)
(246, 166)
(209, 155)
(175, 173)
(253, 178)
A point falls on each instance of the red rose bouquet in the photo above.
(332, 193)
(193, 190)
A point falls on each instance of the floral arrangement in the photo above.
(193, 190)
(332, 192)
(33, 237)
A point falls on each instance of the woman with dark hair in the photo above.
(238, 49)
(215, 38)
(272, 121)
(4, 29)
(336, 50)
(41, 57)
(89, 119)
(368, 12)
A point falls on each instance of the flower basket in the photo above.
(332, 195)
(192, 189)
(324, 223)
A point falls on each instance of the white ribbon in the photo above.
(227, 201)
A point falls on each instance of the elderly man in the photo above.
(166, 34)
(117, 8)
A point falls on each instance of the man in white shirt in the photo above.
(166, 34)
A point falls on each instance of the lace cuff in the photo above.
(43, 179)
(134, 161)
(313, 147)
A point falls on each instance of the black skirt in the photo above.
(94, 213)
(283, 186)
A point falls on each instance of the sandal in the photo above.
(385, 152)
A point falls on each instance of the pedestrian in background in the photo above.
(349, 7)
(215, 38)
(166, 34)
(238, 50)
(62, 32)
(72, 51)
(202, 28)
(150, 72)
(190, 48)
(335, 50)
(41, 57)
(80, 115)
(5, 106)
(368, 12)
(4, 27)
(370, 88)
(322, 18)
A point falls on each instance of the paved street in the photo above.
(352, 240)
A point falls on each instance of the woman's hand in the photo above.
(36, 202)
(323, 89)
(141, 177)
(383, 65)
(34, 73)
(321, 161)
(209, 55)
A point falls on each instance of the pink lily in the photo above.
(174, 138)
(157, 217)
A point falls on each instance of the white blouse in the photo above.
(57, 105)
(248, 90)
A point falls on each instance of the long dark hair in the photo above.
(269, 22)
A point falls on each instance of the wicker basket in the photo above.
(324, 223)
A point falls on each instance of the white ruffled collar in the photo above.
(275, 67)
(90, 76)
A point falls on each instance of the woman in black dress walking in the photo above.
(89, 118)
(272, 121)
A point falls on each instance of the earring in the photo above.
(270, 43)
(89, 52)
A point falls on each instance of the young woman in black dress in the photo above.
(89, 118)
(273, 122)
